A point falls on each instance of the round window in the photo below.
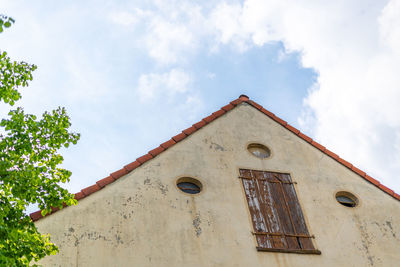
(189, 185)
(346, 199)
(259, 150)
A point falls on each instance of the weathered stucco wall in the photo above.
(142, 219)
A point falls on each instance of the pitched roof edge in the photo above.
(185, 133)
(326, 151)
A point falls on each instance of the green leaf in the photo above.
(29, 166)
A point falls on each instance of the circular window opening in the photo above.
(346, 199)
(259, 150)
(189, 185)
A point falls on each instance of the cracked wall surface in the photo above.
(143, 219)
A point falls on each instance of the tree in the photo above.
(29, 166)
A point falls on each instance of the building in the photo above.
(239, 188)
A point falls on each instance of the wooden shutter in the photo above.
(278, 221)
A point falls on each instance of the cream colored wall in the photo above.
(144, 220)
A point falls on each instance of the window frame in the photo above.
(277, 218)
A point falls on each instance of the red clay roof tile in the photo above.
(386, 189)
(254, 104)
(105, 181)
(199, 124)
(228, 107)
(156, 151)
(244, 97)
(345, 163)
(179, 137)
(79, 195)
(280, 121)
(305, 137)
(219, 113)
(118, 174)
(90, 189)
(358, 171)
(292, 129)
(319, 146)
(168, 144)
(36, 215)
(144, 158)
(372, 180)
(237, 101)
(330, 153)
(131, 166)
(100, 184)
(189, 130)
(266, 112)
(209, 119)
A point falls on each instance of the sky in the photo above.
(132, 74)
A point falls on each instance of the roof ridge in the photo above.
(185, 133)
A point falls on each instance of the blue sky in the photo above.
(132, 75)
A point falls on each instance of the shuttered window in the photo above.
(278, 221)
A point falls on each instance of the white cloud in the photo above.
(228, 22)
(355, 47)
(125, 18)
(154, 85)
(389, 26)
(167, 40)
(172, 30)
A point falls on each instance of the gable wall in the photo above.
(142, 219)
